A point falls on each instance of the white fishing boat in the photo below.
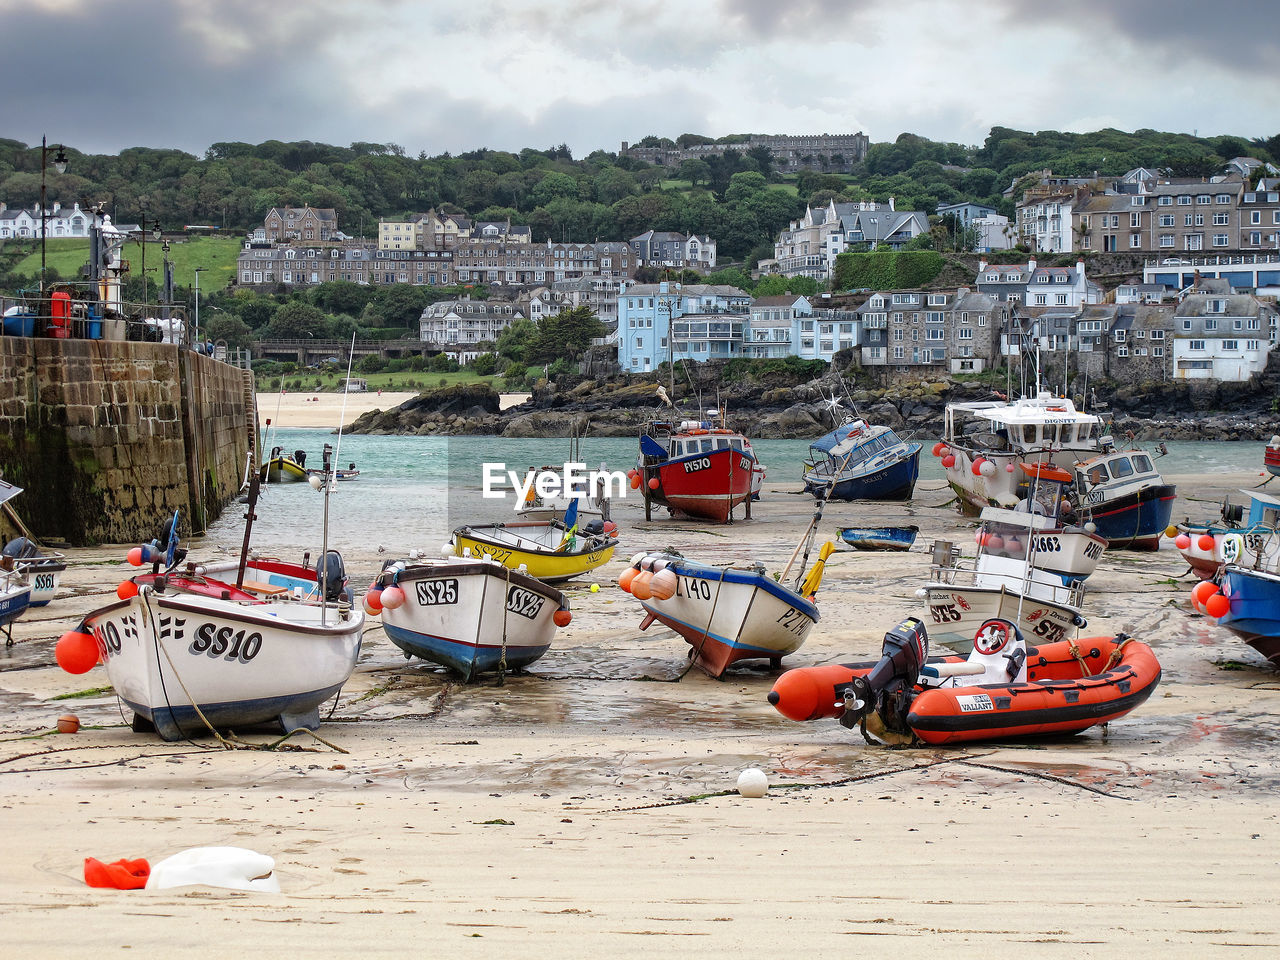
(189, 653)
(726, 613)
(983, 442)
(471, 615)
(43, 569)
(1030, 569)
(187, 662)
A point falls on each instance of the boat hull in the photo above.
(1206, 564)
(472, 617)
(895, 481)
(729, 615)
(706, 485)
(1135, 521)
(1058, 696)
(14, 600)
(283, 470)
(241, 664)
(1255, 609)
(543, 562)
(1271, 460)
(878, 538)
(957, 611)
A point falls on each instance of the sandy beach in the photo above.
(587, 806)
(299, 409)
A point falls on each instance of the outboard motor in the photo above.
(334, 574)
(161, 543)
(594, 528)
(300, 457)
(888, 688)
(21, 549)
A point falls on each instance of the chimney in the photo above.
(891, 203)
(982, 265)
(1031, 267)
(1080, 267)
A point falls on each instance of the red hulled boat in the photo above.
(698, 470)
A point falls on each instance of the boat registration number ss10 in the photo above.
(524, 603)
(432, 593)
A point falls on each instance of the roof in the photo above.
(784, 300)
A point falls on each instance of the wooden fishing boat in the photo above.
(185, 662)
(190, 653)
(1030, 569)
(1125, 498)
(1232, 538)
(42, 568)
(546, 549)
(282, 468)
(1271, 457)
(471, 615)
(696, 469)
(726, 613)
(860, 462)
(878, 538)
(1002, 689)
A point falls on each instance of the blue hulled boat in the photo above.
(879, 538)
(1126, 498)
(860, 462)
(1255, 608)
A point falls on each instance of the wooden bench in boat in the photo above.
(264, 589)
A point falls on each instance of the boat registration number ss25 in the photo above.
(433, 593)
(524, 603)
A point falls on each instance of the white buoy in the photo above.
(753, 783)
(921, 593)
(446, 550)
(314, 481)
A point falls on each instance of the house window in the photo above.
(1216, 306)
(899, 353)
(1120, 336)
(1122, 352)
(1157, 334)
(1166, 239)
(1195, 344)
(965, 333)
(1157, 351)
(1211, 325)
(1165, 201)
(1251, 344)
(1221, 219)
(1255, 238)
(982, 319)
(1219, 239)
(1135, 240)
(1135, 219)
(1230, 344)
(1202, 198)
(1062, 299)
(1166, 219)
(1041, 299)
(1255, 216)
(1184, 201)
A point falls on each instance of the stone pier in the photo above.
(110, 438)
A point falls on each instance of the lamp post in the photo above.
(195, 332)
(60, 164)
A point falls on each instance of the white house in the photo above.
(1221, 336)
(27, 223)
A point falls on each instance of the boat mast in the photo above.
(324, 548)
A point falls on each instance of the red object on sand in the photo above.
(121, 875)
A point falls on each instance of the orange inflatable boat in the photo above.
(1003, 689)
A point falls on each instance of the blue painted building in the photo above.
(690, 321)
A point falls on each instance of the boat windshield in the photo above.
(1142, 463)
(1121, 467)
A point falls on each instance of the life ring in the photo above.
(718, 430)
(1056, 409)
(1232, 547)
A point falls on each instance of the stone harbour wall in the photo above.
(109, 438)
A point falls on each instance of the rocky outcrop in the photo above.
(1182, 410)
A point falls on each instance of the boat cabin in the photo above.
(1264, 509)
(1105, 477)
(852, 444)
(1043, 423)
(682, 446)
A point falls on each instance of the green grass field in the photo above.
(216, 255)
(327, 380)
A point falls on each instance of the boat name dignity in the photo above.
(573, 481)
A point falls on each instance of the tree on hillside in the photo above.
(566, 334)
(296, 320)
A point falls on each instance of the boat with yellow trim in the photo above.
(546, 549)
(282, 468)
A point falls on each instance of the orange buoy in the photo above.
(562, 618)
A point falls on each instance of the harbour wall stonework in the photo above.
(109, 438)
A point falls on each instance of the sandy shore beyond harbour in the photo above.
(586, 807)
(301, 409)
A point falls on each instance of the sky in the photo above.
(102, 75)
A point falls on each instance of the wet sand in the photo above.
(301, 409)
(583, 807)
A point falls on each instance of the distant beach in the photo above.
(299, 408)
